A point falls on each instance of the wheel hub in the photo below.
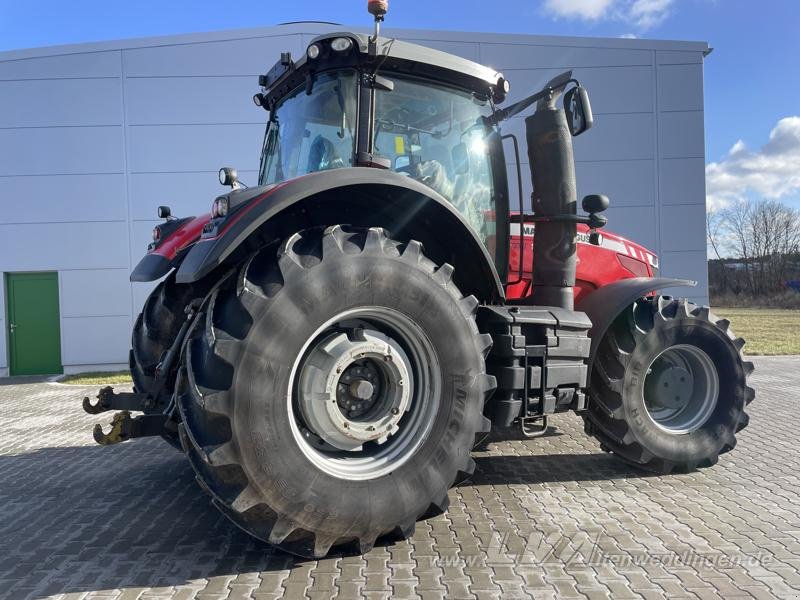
(673, 387)
(355, 388)
(681, 389)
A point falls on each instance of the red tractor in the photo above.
(328, 345)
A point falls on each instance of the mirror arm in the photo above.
(547, 92)
(593, 220)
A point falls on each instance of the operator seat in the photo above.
(322, 156)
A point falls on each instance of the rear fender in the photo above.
(356, 196)
(605, 304)
(168, 252)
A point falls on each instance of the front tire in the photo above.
(332, 391)
(668, 386)
(153, 334)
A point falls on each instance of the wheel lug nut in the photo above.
(394, 411)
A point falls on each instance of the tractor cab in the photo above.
(355, 101)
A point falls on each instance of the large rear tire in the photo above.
(332, 391)
(668, 386)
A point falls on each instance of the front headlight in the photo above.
(341, 44)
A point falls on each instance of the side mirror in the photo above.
(594, 203)
(164, 212)
(228, 176)
(460, 158)
(578, 109)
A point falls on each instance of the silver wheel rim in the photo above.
(363, 393)
(681, 389)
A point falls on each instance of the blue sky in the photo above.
(752, 80)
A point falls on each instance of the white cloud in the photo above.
(642, 14)
(589, 10)
(772, 171)
(649, 13)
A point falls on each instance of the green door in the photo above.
(34, 338)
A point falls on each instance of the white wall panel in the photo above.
(680, 87)
(60, 66)
(169, 148)
(683, 227)
(678, 57)
(60, 246)
(637, 223)
(95, 293)
(54, 102)
(523, 56)
(61, 150)
(95, 340)
(188, 100)
(63, 198)
(681, 135)
(682, 181)
(230, 57)
(625, 182)
(617, 137)
(612, 90)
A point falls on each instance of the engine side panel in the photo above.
(597, 265)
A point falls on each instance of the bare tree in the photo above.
(763, 235)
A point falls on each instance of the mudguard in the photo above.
(379, 193)
(605, 304)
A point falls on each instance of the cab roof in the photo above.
(389, 56)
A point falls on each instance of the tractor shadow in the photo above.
(80, 519)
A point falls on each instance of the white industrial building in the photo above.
(93, 137)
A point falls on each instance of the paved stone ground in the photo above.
(552, 517)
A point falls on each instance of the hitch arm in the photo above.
(123, 428)
(107, 399)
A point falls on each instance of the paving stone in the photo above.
(548, 518)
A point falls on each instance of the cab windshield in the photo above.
(310, 133)
(430, 133)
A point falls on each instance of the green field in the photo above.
(768, 331)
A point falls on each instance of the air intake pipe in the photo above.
(554, 201)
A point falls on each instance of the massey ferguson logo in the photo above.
(528, 229)
(583, 238)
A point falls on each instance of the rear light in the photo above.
(637, 267)
(220, 207)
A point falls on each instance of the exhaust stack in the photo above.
(554, 201)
